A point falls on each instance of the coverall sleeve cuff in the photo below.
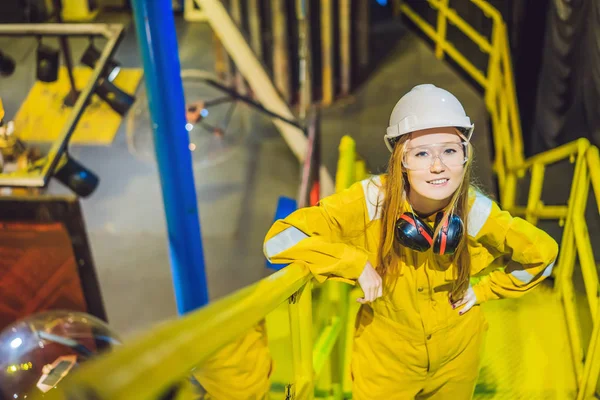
(480, 292)
(355, 261)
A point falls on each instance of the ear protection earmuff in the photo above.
(414, 233)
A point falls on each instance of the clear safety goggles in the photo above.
(451, 154)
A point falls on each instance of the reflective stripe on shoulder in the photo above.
(371, 189)
(525, 277)
(283, 241)
(480, 211)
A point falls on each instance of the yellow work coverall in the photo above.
(410, 343)
(240, 370)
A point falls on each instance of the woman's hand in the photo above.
(371, 284)
(468, 300)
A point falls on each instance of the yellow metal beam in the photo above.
(325, 343)
(589, 378)
(153, 362)
(345, 46)
(593, 159)
(327, 59)
(300, 309)
(254, 73)
(469, 31)
(535, 192)
(281, 56)
(441, 28)
(541, 212)
(587, 263)
(573, 327)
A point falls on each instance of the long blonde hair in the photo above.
(395, 189)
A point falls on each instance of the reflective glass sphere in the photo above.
(37, 352)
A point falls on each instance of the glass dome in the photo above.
(37, 352)
(217, 125)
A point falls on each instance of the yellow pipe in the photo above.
(587, 385)
(346, 164)
(587, 263)
(420, 22)
(361, 170)
(148, 365)
(345, 46)
(325, 344)
(493, 71)
(509, 191)
(441, 28)
(535, 192)
(327, 56)
(568, 298)
(489, 10)
(541, 211)
(301, 335)
(567, 254)
(466, 64)
(517, 136)
(498, 148)
(469, 31)
(593, 159)
(555, 155)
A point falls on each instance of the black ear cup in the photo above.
(450, 234)
(412, 232)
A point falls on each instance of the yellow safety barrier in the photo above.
(162, 360)
(157, 362)
(575, 243)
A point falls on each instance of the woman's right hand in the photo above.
(370, 283)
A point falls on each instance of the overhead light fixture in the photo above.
(47, 63)
(117, 99)
(90, 57)
(76, 177)
(7, 65)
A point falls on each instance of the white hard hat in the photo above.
(424, 107)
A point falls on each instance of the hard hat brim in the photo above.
(396, 131)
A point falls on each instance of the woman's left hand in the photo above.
(468, 301)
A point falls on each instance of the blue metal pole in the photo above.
(155, 28)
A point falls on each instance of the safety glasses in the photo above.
(451, 154)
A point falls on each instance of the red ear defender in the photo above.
(414, 233)
(450, 234)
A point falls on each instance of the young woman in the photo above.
(412, 238)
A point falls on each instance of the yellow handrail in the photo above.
(150, 365)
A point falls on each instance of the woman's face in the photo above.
(435, 160)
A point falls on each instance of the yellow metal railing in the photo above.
(162, 360)
(497, 81)
(575, 242)
(158, 361)
(511, 166)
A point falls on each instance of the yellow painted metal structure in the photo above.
(79, 10)
(42, 115)
(535, 345)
